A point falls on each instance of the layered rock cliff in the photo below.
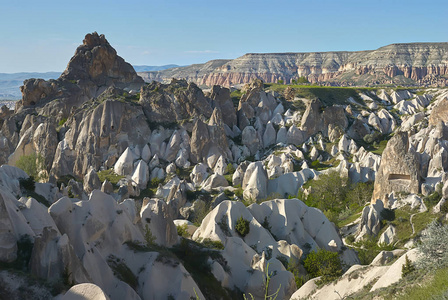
(414, 63)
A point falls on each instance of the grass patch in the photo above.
(110, 175)
(437, 286)
(327, 95)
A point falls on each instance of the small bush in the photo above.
(323, 263)
(388, 214)
(62, 121)
(224, 226)
(208, 243)
(182, 230)
(149, 238)
(407, 268)
(230, 169)
(444, 207)
(28, 184)
(242, 226)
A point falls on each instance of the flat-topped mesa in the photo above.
(97, 61)
(412, 63)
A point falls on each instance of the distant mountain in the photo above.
(424, 64)
(153, 68)
(10, 82)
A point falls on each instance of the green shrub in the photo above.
(242, 226)
(62, 121)
(32, 164)
(444, 207)
(208, 243)
(376, 136)
(156, 181)
(230, 169)
(28, 183)
(110, 175)
(407, 268)
(182, 230)
(149, 238)
(201, 209)
(388, 214)
(323, 263)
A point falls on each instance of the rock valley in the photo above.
(165, 190)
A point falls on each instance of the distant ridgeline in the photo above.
(422, 64)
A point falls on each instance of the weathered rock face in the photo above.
(314, 120)
(221, 98)
(97, 134)
(94, 67)
(174, 102)
(208, 141)
(424, 63)
(439, 113)
(96, 61)
(399, 170)
(53, 256)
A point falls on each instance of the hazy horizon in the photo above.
(42, 36)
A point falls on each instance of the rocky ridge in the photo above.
(422, 64)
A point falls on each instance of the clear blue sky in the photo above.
(42, 35)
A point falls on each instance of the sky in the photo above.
(42, 36)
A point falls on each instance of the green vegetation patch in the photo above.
(327, 95)
(110, 175)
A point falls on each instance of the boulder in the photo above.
(91, 181)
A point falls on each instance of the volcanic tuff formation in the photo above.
(126, 162)
(412, 64)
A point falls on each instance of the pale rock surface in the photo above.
(220, 166)
(53, 256)
(370, 220)
(146, 153)
(289, 183)
(171, 168)
(85, 291)
(282, 135)
(91, 181)
(107, 187)
(141, 174)
(155, 214)
(388, 236)
(250, 139)
(399, 170)
(125, 164)
(255, 181)
(394, 273)
(215, 181)
(269, 136)
(199, 174)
